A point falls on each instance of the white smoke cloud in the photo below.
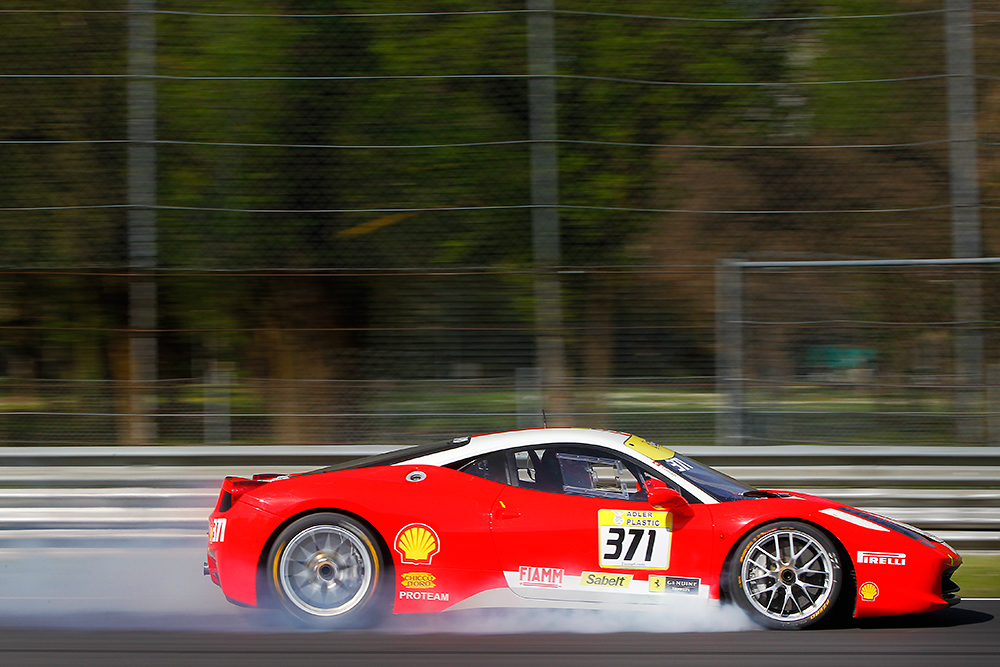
(121, 586)
(128, 586)
(682, 615)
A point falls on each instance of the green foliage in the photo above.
(363, 141)
(979, 575)
(894, 52)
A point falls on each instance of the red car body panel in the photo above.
(536, 546)
(906, 584)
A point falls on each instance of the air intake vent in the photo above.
(949, 589)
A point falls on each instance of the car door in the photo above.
(575, 525)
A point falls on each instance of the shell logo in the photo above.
(868, 591)
(417, 543)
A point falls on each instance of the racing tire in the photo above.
(327, 571)
(786, 575)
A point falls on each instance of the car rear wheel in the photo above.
(786, 575)
(327, 571)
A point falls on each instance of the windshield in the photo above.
(720, 486)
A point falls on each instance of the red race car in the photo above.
(558, 517)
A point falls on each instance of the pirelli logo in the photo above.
(881, 558)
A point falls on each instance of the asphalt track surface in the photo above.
(968, 634)
(152, 606)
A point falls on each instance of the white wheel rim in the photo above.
(787, 575)
(326, 570)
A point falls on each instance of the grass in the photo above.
(979, 575)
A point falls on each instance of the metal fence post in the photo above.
(729, 352)
(966, 231)
(218, 403)
(142, 220)
(550, 352)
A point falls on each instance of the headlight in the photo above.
(906, 529)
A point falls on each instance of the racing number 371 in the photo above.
(634, 539)
(636, 535)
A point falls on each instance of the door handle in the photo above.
(505, 512)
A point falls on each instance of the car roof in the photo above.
(470, 447)
(479, 445)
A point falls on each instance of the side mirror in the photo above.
(662, 496)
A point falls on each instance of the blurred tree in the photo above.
(62, 177)
(359, 141)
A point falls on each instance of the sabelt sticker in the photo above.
(417, 543)
(683, 585)
(868, 591)
(418, 579)
(217, 530)
(605, 580)
(634, 539)
(881, 558)
(542, 577)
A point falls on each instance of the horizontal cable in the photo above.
(749, 83)
(174, 12)
(448, 77)
(112, 271)
(842, 263)
(499, 207)
(497, 329)
(200, 414)
(658, 380)
(513, 12)
(760, 19)
(123, 270)
(43, 142)
(871, 323)
(474, 144)
(67, 208)
(464, 144)
(397, 330)
(745, 212)
(627, 144)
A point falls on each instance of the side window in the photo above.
(577, 470)
(492, 467)
(525, 463)
(596, 476)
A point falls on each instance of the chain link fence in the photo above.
(863, 352)
(294, 221)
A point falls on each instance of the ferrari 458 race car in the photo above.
(558, 517)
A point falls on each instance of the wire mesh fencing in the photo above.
(304, 221)
(852, 352)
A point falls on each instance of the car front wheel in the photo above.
(327, 571)
(786, 575)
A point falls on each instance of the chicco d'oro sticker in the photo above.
(637, 539)
(418, 580)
